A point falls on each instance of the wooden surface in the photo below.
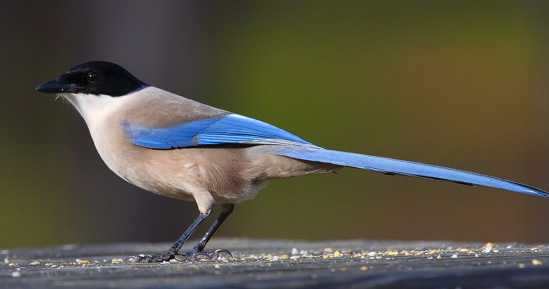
(285, 264)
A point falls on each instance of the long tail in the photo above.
(399, 167)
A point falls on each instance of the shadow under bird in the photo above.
(183, 149)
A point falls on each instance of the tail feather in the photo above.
(400, 167)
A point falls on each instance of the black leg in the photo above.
(226, 210)
(176, 246)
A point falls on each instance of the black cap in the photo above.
(94, 77)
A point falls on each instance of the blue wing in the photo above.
(237, 129)
(229, 129)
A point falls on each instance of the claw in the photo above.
(183, 257)
(189, 256)
(219, 252)
(203, 256)
(156, 258)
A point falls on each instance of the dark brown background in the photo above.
(459, 85)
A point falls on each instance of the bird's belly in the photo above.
(181, 173)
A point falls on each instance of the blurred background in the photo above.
(452, 83)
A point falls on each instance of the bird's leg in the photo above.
(226, 210)
(196, 252)
(170, 254)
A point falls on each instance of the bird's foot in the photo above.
(156, 258)
(203, 256)
(189, 256)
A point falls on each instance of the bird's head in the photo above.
(94, 77)
(94, 88)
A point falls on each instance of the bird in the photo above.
(180, 148)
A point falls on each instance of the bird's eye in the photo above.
(92, 77)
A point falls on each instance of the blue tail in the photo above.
(399, 167)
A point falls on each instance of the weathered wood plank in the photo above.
(285, 264)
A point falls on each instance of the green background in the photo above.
(461, 84)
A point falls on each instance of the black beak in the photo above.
(55, 86)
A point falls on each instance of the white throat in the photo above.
(94, 108)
